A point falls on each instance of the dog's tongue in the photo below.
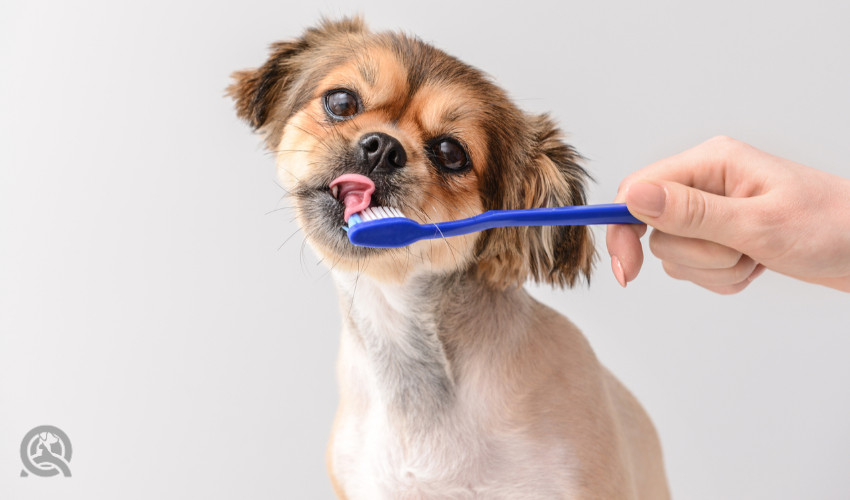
(355, 191)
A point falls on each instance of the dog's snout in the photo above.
(381, 152)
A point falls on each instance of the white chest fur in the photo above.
(410, 428)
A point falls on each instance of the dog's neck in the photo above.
(417, 338)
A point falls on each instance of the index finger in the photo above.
(709, 167)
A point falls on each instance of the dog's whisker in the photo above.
(331, 267)
(445, 240)
(407, 261)
(279, 209)
(456, 214)
(289, 151)
(285, 191)
(354, 289)
(288, 238)
(301, 258)
(394, 255)
(321, 123)
(290, 173)
(442, 203)
(315, 136)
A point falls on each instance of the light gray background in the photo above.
(146, 309)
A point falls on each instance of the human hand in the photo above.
(724, 211)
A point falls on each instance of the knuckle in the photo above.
(742, 270)
(723, 141)
(724, 146)
(720, 139)
(696, 208)
(725, 257)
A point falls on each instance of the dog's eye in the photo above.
(341, 104)
(449, 154)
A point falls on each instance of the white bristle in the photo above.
(374, 213)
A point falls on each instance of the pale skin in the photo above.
(723, 212)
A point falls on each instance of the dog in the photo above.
(454, 382)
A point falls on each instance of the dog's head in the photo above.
(360, 119)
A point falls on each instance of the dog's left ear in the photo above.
(551, 177)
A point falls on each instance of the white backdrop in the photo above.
(147, 310)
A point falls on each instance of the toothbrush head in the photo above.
(383, 227)
(397, 122)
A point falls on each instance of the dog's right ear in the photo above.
(258, 92)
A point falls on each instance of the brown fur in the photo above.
(454, 382)
(520, 161)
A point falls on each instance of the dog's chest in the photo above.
(402, 434)
(373, 460)
(411, 428)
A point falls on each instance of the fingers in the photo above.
(623, 242)
(713, 277)
(691, 199)
(683, 211)
(711, 266)
(710, 166)
(727, 290)
(692, 252)
(730, 289)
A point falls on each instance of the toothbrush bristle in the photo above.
(374, 213)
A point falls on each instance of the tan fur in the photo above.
(454, 382)
(335, 482)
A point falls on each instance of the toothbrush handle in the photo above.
(578, 215)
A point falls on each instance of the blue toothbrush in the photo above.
(384, 227)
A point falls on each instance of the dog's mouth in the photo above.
(325, 210)
(354, 191)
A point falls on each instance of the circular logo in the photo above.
(46, 451)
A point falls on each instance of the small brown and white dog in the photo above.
(454, 382)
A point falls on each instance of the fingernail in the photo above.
(617, 267)
(645, 198)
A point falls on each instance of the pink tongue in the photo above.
(355, 191)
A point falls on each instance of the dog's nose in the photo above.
(380, 152)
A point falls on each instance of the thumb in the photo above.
(684, 211)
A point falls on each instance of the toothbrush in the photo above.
(385, 227)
